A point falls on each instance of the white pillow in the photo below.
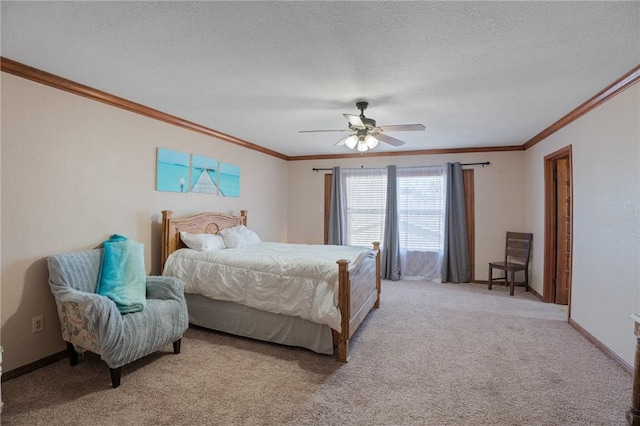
(202, 242)
(239, 236)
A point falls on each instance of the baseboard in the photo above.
(536, 294)
(20, 371)
(590, 337)
(486, 282)
(625, 366)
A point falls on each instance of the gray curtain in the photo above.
(391, 244)
(456, 266)
(336, 211)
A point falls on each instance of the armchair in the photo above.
(92, 322)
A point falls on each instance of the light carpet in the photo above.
(433, 354)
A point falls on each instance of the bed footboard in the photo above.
(359, 292)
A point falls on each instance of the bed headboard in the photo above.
(203, 223)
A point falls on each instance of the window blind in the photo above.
(365, 204)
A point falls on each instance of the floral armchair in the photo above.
(92, 322)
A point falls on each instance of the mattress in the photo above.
(291, 279)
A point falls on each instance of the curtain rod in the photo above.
(486, 163)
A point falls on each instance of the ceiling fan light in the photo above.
(362, 146)
(371, 141)
(351, 141)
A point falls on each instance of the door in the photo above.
(558, 237)
(563, 232)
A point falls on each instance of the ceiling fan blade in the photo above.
(388, 139)
(402, 127)
(355, 121)
(341, 141)
(318, 131)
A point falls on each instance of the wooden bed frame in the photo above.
(359, 285)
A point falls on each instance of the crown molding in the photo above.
(43, 77)
(25, 71)
(401, 153)
(623, 83)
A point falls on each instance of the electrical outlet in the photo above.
(37, 324)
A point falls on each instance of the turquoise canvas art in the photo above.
(204, 174)
(229, 180)
(172, 171)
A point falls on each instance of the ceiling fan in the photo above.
(366, 133)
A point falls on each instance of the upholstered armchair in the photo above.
(92, 322)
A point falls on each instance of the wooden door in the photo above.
(558, 227)
(563, 231)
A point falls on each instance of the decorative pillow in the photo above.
(202, 242)
(122, 277)
(239, 236)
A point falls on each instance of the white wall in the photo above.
(499, 197)
(75, 171)
(606, 227)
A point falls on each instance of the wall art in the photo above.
(172, 171)
(229, 180)
(204, 174)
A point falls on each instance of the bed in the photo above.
(355, 290)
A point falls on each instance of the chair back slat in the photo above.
(518, 244)
(518, 247)
(517, 253)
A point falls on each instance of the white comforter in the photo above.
(290, 279)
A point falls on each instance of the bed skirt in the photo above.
(244, 321)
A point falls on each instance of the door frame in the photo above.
(550, 223)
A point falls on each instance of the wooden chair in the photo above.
(516, 258)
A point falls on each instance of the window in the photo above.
(420, 201)
(365, 200)
(421, 205)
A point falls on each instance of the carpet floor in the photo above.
(433, 354)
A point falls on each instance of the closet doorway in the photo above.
(558, 238)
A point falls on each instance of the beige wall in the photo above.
(499, 197)
(606, 228)
(75, 171)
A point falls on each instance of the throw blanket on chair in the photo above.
(122, 276)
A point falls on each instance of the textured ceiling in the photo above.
(475, 73)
